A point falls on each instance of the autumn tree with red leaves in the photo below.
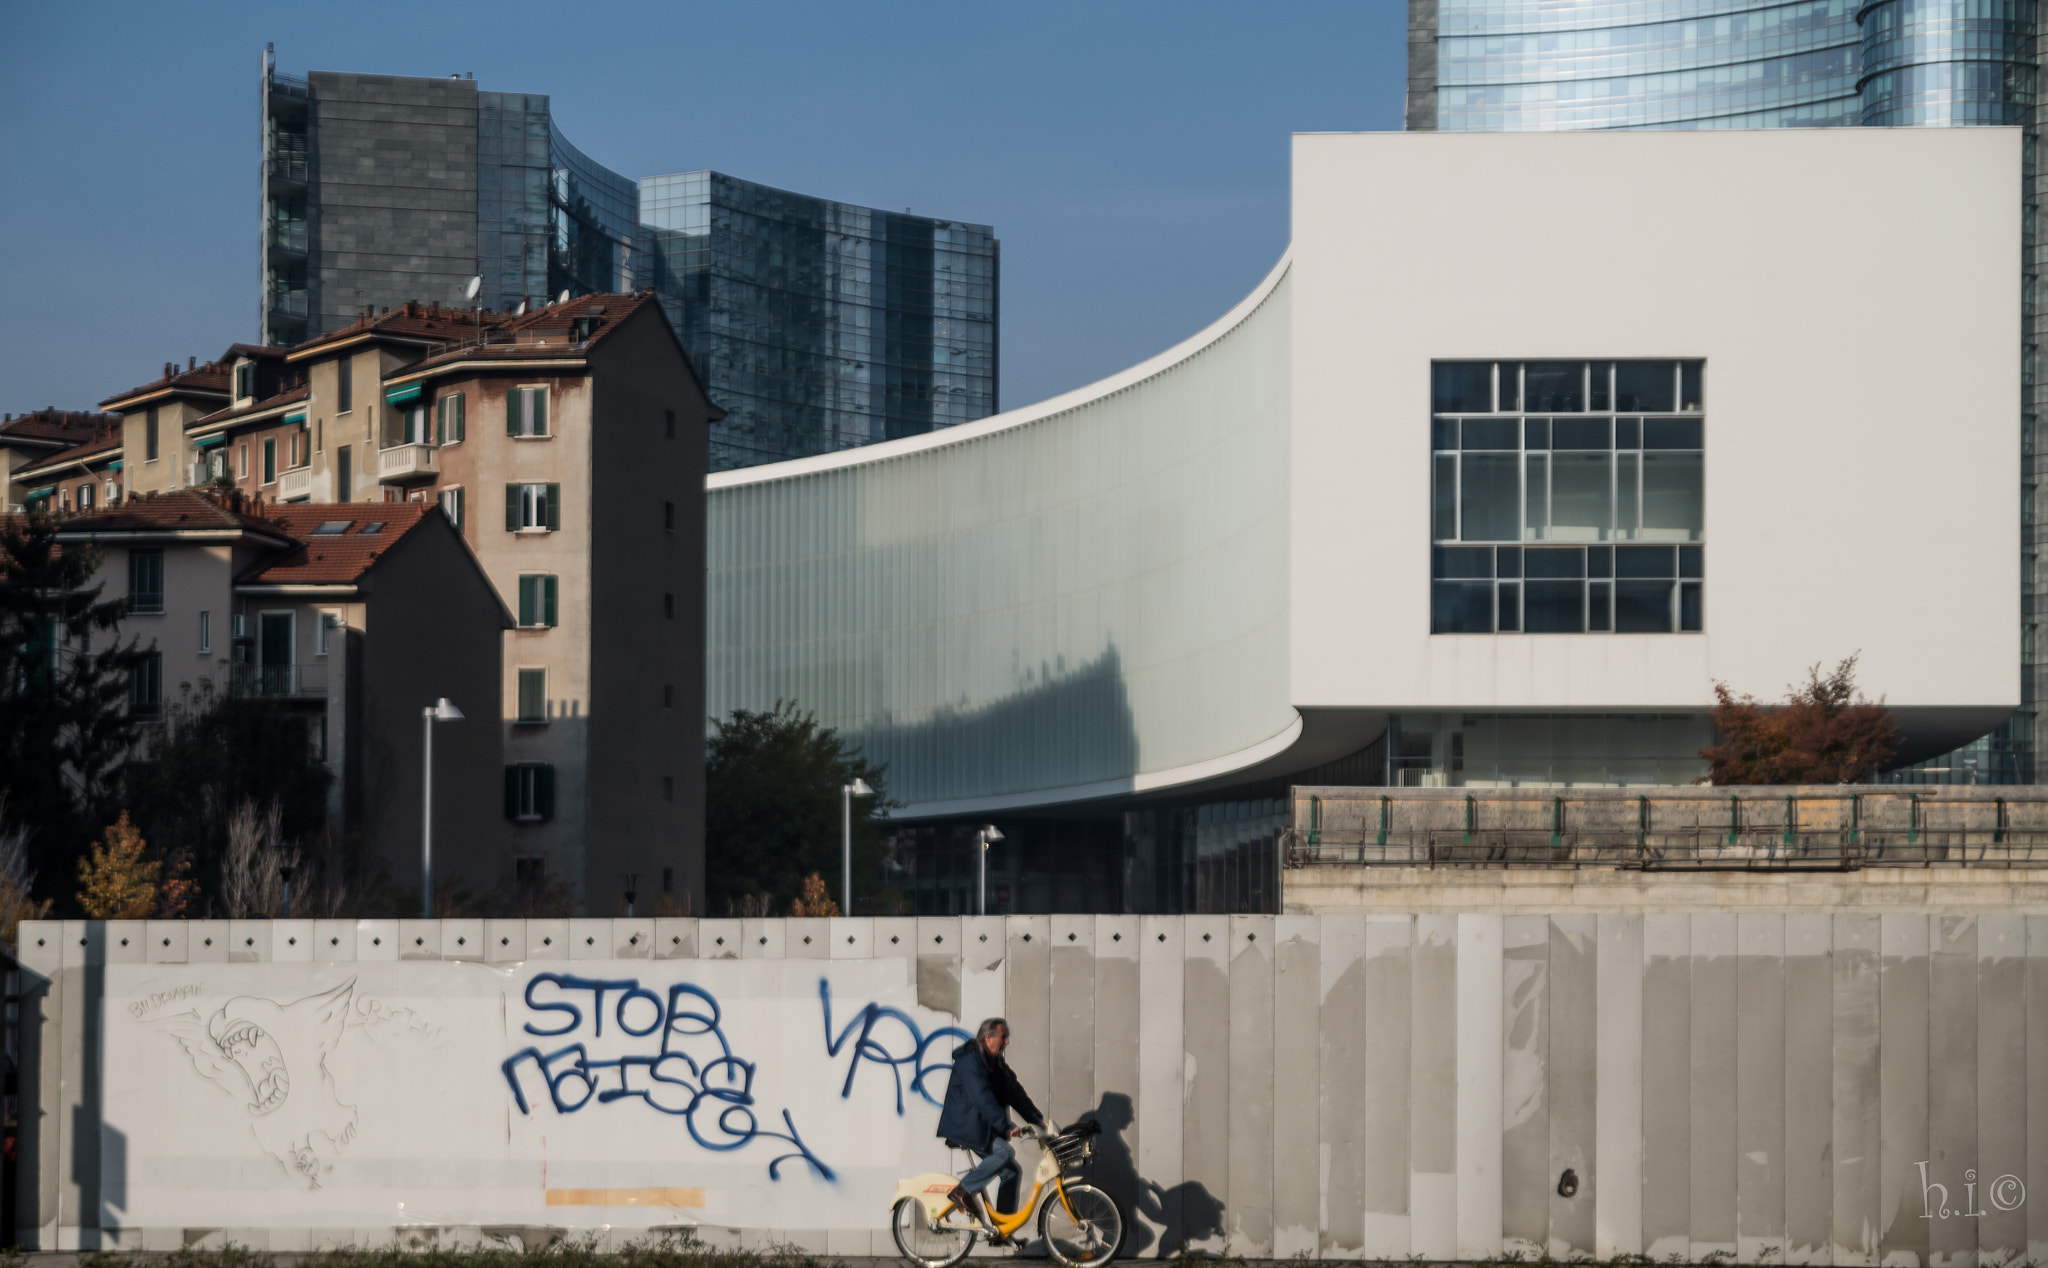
(1824, 733)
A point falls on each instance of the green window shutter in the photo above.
(554, 508)
(540, 411)
(441, 421)
(526, 596)
(544, 791)
(511, 508)
(547, 590)
(511, 792)
(458, 415)
(511, 411)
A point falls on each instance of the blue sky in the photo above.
(1132, 156)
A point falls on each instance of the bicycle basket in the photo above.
(1075, 1144)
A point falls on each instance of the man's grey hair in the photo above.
(988, 1028)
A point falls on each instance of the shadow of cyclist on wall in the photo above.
(1184, 1213)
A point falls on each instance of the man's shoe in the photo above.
(958, 1197)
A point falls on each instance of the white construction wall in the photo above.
(1801, 1088)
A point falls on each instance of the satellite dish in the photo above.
(563, 298)
(475, 287)
(521, 310)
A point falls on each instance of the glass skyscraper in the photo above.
(816, 325)
(1551, 65)
(819, 325)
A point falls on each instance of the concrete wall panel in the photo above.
(1162, 1064)
(1667, 1085)
(1902, 1089)
(1481, 1059)
(2036, 1176)
(1071, 1091)
(1760, 1088)
(1618, 1135)
(1388, 991)
(1205, 1039)
(2002, 1093)
(1115, 1103)
(1297, 1087)
(1027, 1000)
(1251, 1086)
(1525, 1087)
(1433, 1089)
(1573, 1028)
(1341, 959)
(1952, 1087)
(1809, 1090)
(1713, 1085)
(1855, 967)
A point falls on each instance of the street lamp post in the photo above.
(847, 792)
(440, 711)
(982, 836)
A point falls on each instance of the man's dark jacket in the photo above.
(976, 1095)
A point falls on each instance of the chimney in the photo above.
(191, 363)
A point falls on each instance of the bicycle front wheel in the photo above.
(926, 1244)
(1087, 1228)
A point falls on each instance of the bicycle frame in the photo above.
(1048, 1172)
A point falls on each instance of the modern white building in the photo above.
(1524, 444)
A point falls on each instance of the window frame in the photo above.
(521, 677)
(344, 384)
(521, 503)
(146, 686)
(526, 412)
(151, 444)
(269, 451)
(538, 596)
(530, 792)
(205, 631)
(452, 494)
(442, 419)
(137, 556)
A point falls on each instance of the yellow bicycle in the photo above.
(1079, 1223)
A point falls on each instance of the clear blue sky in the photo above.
(1132, 156)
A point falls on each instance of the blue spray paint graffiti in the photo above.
(714, 1096)
(868, 1047)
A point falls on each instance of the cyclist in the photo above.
(976, 1116)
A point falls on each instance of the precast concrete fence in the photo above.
(1805, 1088)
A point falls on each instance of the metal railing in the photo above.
(1705, 848)
(279, 680)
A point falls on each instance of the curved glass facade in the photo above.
(548, 218)
(1942, 63)
(820, 325)
(1047, 607)
(1541, 65)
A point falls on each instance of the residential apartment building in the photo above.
(567, 447)
(353, 618)
(33, 439)
(154, 450)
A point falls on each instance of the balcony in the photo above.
(280, 681)
(287, 242)
(407, 464)
(295, 485)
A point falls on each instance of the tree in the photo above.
(1824, 733)
(216, 756)
(17, 882)
(813, 901)
(772, 807)
(115, 882)
(65, 725)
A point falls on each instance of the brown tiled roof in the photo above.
(334, 558)
(224, 415)
(59, 426)
(106, 444)
(411, 321)
(183, 510)
(520, 338)
(253, 351)
(210, 379)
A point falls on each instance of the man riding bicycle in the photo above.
(976, 1116)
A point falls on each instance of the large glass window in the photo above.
(1549, 482)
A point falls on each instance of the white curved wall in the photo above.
(1081, 598)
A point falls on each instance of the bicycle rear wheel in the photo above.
(927, 1244)
(1087, 1228)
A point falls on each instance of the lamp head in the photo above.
(989, 832)
(859, 788)
(444, 710)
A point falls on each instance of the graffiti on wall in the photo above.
(2007, 1193)
(272, 1058)
(889, 1037)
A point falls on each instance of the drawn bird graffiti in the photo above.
(272, 1057)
